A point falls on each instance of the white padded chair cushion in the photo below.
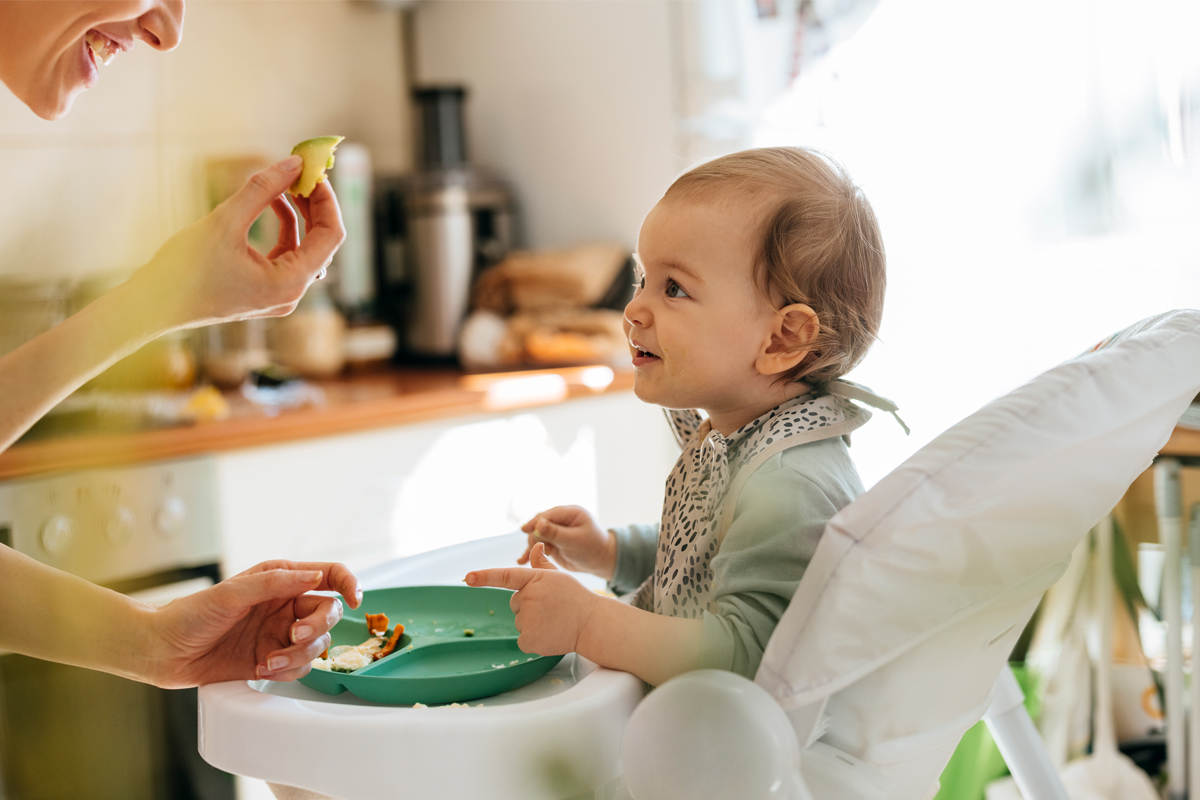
(992, 506)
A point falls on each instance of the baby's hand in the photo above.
(551, 607)
(573, 539)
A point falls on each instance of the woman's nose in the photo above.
(162, 26)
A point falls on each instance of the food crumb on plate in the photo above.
(556, 681)
(514, 662)
(468, 631)
(420, 705)
(437, 630)
(497, 666)
(410, 647)
(491, 613)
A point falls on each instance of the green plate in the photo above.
(435, 662)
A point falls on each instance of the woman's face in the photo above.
(49, 51)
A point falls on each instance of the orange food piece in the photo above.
(391, 643)
(377, 623)
(325, 653)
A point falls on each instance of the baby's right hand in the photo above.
(573, 539)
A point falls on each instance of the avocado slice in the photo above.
(318, 157)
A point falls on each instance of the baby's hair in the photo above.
(820, 246)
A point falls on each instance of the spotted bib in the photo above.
(702, 489)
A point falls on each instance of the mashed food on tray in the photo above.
(350, 657)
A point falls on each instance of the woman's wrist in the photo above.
(154, 309)
(148, 663)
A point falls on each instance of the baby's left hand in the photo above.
(552, 608)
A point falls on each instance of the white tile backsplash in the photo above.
(100, 189)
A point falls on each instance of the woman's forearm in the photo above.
(651, 646)
(40, 374)
(55, 616)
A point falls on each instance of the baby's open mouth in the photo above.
(102, 48)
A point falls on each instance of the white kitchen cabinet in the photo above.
(365, 497)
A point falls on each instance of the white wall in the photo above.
(100, 189)
(571, 101)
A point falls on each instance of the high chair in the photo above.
(897, 639)
(891, 649)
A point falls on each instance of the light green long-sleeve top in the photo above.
(778, 520)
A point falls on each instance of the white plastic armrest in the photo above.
(1020, 743)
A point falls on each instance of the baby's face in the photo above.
(697, 322)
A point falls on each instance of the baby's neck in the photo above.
(727, 420)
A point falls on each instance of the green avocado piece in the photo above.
(318, 157)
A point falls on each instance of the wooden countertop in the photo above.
(355, 403)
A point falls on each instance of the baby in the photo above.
(761, 283)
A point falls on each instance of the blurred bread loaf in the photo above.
(539, 308)
(528, 280)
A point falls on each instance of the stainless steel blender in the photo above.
(458, 221)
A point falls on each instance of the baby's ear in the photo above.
(793, 330)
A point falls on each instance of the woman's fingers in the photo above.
(302, 207)
(289, 675)
(252, 199)
(291, 658)
(335, 577)
(289, 232)
(248, 590)
(323, 224)
(317, 615)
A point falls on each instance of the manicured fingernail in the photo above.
(301, 632)
(277, 663)
(358, 595)
(311, 575)
(470, 579)
(290, 163)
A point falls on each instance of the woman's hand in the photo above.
(573, 539)
(208, 272)
(259, 624)
(552, 608)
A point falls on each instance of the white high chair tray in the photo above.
(558, 737)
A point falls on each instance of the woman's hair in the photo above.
(820, 246)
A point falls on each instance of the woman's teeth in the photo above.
(103, 48)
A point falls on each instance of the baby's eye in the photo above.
(675, 290)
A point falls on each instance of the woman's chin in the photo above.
(54, 107)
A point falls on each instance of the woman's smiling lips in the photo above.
(104, 47)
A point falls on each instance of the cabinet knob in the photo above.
(170, 517)
(56, 534)
(119, 528)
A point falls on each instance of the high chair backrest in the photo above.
(919, 589)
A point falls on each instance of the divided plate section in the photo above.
(459, 644)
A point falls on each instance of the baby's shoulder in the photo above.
(825, 465)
